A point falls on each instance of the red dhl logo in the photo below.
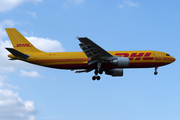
(23, 45)
(136, 56)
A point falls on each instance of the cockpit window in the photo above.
(167, 55)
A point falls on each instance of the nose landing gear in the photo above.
(155, 73)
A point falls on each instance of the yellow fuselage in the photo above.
(78, 60)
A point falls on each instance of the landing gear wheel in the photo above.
(155, 73)
(94, 78)
(98, 77)
(97, 71)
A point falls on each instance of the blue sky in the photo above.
(29, 92)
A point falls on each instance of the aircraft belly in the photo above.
(104, 66)
(81, 63)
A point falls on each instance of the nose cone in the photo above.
(169, 59)
(173, 59)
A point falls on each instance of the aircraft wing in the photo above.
(93, 51)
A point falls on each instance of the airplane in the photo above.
(92, 58)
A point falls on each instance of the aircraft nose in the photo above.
(173, 59)
(169, 59)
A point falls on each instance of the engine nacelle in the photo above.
(121, 61)
(115, 72)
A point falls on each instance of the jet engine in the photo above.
(121, 61)
(115, 72)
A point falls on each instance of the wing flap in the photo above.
(93, 51)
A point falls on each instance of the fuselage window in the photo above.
(167, 55)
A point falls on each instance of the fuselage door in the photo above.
(158, 56)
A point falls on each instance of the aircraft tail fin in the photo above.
(19, 42)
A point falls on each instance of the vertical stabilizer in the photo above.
(19, 42)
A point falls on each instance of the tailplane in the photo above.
(18, 54)
(19, 42)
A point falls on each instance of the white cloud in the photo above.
(121, 6)
(46, 44)
(9, 23)
(129, 3)
(31, 118)
(29, 74)
(10, 4)
(4, 85)
(68, 2)
(12, 107)
(132, 4)
(5, 64)
(32, 14)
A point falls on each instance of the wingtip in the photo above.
(81, 37)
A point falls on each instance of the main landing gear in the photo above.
(96, 75)
(97, 71)
(155, 73)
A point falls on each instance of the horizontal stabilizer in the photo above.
(16, 53)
